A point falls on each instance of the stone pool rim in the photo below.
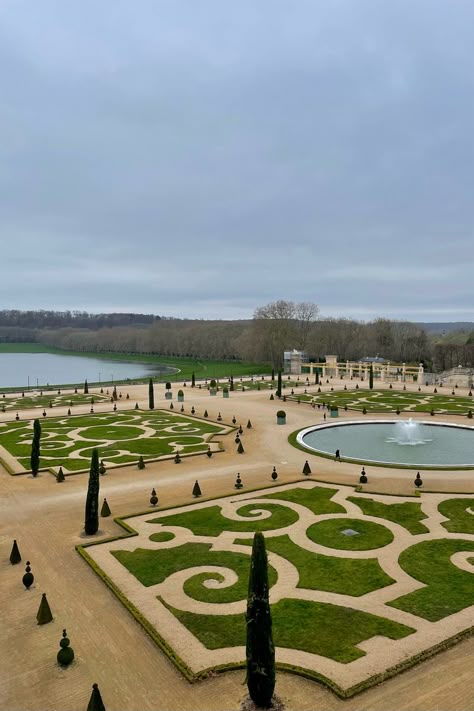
(296, 438)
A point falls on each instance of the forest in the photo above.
(276, 327)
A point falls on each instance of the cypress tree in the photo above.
(273, 373)
(44, 614)
(371, 377)
(114, 394)
(151, 395)
(91, 524)
(278, 390)
(95, 701)
(231, 386)
(193, 380)
(35, 448)
(105, 510)
(260, 652)
(15, 556)
(316, 380)
(196, 489)
(86, 388)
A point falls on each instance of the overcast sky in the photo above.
(201, 158)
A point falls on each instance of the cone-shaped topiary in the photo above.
(363, 476)
(95, 701)
(151, 395)
(91, 524)
(44, 614)
(196, 489)
(209, 452)
(66, 654)
(105, 510)
(15, 556)
(177, 458)
(306, 468)
(260, 651)
(28, 577)
(274, 474)
(136, 406)
(153, 498)
(171, 406)
(240, 448)
(249, 425)
(60, 475)
(241, 430)
(141, 463)
(418, 480)
(102, 468)
(469, 415)
(206, 413)
(238, 482)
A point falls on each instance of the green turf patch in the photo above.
(314, 627)
(127, 434)
(458, 511)
(154, 566)
(317, 499)
(407, 514)
(347, 576)
(210, 521)
(162, 536)
(330, 533)
(448, 588)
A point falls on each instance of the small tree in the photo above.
(193, 380)
(260, 651)
(95, 701)
(151, 395)
(91, 524)
(86, 388)
(114, 394)
(15, 556)
(105, 510)
(371, 377)
(196, 489)
(44, 614)
(273, 373)
(35, 448)
(231, 384)
(141, 463)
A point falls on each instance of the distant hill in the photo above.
(448, 327)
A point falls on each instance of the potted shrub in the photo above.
(281, 417)
(225, 391)
(168, 394)
(180, 396)
(212, 387)
(333, 411)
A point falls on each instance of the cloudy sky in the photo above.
(202, 158)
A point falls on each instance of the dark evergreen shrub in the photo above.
(141, 463)
(60, 476)
(65, 655)
(28, 577)
(151, 395)
(105, 510)
(274, 474)
(196, 489)
(153, 498)
(95, 701)
(240, 448)
(91, 524)
(306, 468)
(44, 614)
(249, 425)
(15, 556)
(418, 480)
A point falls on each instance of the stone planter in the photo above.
(225, 393)
(334, 413)
(212, 391)
(281, 417)
(169, 395)
(180, 397)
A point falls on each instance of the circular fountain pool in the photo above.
(389, 442)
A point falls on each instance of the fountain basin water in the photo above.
(438, 445)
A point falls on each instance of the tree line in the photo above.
(274, 328)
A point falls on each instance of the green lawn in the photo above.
(154, 566)
(448, 588)
(407, 514)
(317, 499)
(458, 512)
(391, 400)
(314, 627)
(49, 400)
(330, 533)
(210, 521)
(347, 576)
(120, 437)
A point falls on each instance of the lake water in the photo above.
(19, 369)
